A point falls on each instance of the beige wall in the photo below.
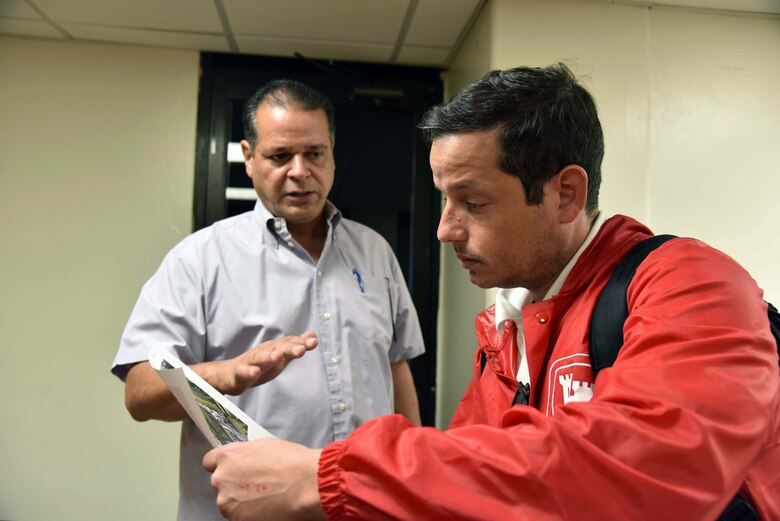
(96, 175)
(689, 105)
(715, 134)
(459, 300)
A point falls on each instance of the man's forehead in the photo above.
(283, 147)
(482, 135)
(458, 180)
(274, 111)
(466, 150)
(464, 147)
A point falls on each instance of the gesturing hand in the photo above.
(260, 364)
(265, 479)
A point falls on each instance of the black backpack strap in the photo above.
(774, 323)
(606, 323)
(739, 509)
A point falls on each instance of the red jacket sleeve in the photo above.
(672, 429)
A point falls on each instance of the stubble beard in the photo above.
(545, 267)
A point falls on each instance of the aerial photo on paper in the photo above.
(225, 426)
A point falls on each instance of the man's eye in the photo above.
(279, 158)
(474, 206)
(315, 155)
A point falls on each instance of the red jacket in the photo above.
(685, 418)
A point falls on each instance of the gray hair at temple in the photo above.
(545, 120)
(286, 94)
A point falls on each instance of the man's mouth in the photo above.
(466, 261)
(300, 196)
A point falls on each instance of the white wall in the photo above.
(691, 114)
(715, 135)
(96, 176)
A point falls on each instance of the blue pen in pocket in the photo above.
(359, 280)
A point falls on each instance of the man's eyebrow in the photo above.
(273, 150)
(317, 146)
(464, 184)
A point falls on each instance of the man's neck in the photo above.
(311, 236)
(579, 235)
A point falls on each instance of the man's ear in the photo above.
(572, 186)
(246, 150)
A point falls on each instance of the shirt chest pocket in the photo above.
(376, 309)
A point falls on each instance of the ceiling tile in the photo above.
(438, 23)
(17, 9)
(358, 21)
(207, 42)
(12, 26)
(315, 49)
(423, 56)
(172, 15)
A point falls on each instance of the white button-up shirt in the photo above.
(245, 280)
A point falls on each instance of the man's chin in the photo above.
(480, 282)
(303, 214)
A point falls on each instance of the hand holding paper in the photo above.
(218, 418)
(266, 479)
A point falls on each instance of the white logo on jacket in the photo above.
(569, 380)
(574, 390)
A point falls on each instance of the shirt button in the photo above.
(278, 225)
(290, 244)
(326, 315)
(319, 274)
(342, 406)
(335, 359)
(542, 317)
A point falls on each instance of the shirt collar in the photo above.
(332, 214)
(510, 301)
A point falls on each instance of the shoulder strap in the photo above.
(774, 323)
(611, 311)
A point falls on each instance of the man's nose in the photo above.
(298, 167)
(451, 228)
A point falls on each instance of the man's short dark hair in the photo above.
(544, 118)
(286, 94)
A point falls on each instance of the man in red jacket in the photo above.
(685, 420)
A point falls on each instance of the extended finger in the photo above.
(308, 338)
(300, 344)
(294, 346)
(311, 342)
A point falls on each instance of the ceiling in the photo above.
(405, 32)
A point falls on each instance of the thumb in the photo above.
(210, 460)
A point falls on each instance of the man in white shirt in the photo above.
(223, 298)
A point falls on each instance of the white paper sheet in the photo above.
(217, 417)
